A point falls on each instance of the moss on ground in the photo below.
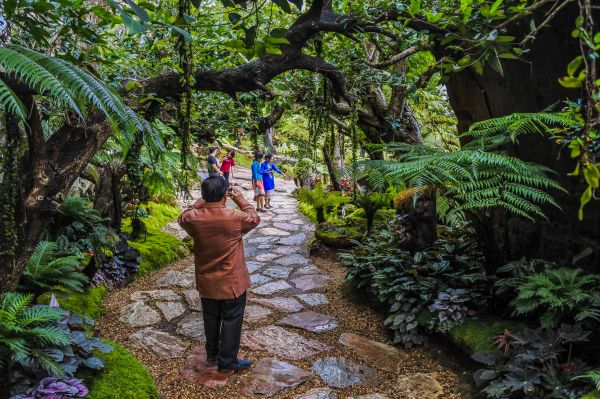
(591, 395)
(477, 335)
(123, 377)
(88, 303)
(156, 247)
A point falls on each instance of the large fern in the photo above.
(321, 200)
(25, 331)
(45, 269)
(65, 83)
(562, 295)
(479, 176)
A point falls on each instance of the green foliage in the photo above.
(309, 211)
(407, 283)
(88, 303)
(371, 203)
(478, 176)
(46, 269)
(25, 331)
(123, 377)
(561, 295)
(304, 168)
(66, 84)
(594, 377)
(338, 236)
(537, 363)
(321, 200)
(79, 228)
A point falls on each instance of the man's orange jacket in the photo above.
(217, 231)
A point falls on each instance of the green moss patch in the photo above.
(88, 303)
(339, 237)
(123, 377)
(477, 335)
(156, 247)
(591, 395)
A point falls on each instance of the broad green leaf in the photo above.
(495, 64)
(570, 82)
(273, 50)
(278, 32)
(505, 39)
(591, 174)
(277, 40)
(574, 65)
(139, 11)
(186, 35)
(133, 26)
(495, 6)
(235, 44)
(585, 198)
(189, 19)
(478, 67)
(508, 56)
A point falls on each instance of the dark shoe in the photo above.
(239, 365)
(260, 210)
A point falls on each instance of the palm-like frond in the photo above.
(65, 83)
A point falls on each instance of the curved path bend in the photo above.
(308, 337)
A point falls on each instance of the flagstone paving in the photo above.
(306, 338)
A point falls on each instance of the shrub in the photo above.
(321, 200)
(117, 270)
(123, 377)
(408, 283)
(538, 365)
(303, 168)
(371, 203)
(560, 295)
(25, 332)
(46, 269)
(59, 388)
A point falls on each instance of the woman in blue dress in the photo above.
(267, 169)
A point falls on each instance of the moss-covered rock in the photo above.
(338, 236)
(157, 247)
(123, 377)
(476, 335)
(88, 303)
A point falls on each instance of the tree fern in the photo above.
(65, 83)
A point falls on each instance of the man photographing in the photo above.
(222, 277)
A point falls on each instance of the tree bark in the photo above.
(531, 87)
(107, 194)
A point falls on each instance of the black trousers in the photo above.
(226, 177)
(223, 328)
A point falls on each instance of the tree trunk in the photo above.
(269, 133)
(532, 87)
(107, 194)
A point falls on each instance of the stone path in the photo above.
(288, 333)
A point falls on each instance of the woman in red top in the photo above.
(227, 166)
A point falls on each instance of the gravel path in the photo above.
(306, 337)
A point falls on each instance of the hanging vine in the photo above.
(184, 50)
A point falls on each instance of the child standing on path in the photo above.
(227, 167)
(267, 168)
(257, 183)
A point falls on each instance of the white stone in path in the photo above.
(296, 239)
(254, 313)
(271, 288)
(260, 240)
(312, 269)
(138, 314)
(193, 300)
(313, 299)
(259, 279)
(162, 295)
(282, 343)
(280, 303)
(265, 247)
(171, 310)
(318, 393)
(176, 278)
(278, 271)
(294, 259)
(271, 231)
(266, 257)
(159, 343)
(254, 266)
(298, 221)
(286, 226)
(287, 250)
(311, 281)
(192, 326)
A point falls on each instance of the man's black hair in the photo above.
(232, 153)
(269, 156)
(213, 188)
(258, 156)
(212, 149)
